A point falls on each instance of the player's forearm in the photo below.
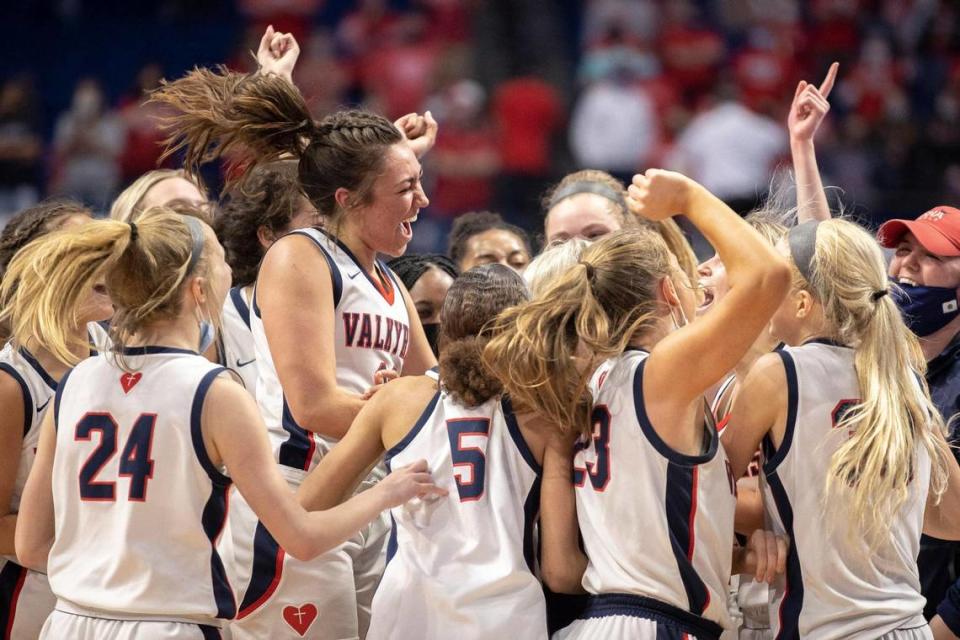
(328, 414)
(811, 198)
(327, 529)
(8, 527)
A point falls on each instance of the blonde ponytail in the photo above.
(47, 282)
(874, 467)
(544, 350)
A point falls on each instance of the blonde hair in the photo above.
(129, 204)
(47, 282)
(875, 466)
(668, 229)
(543, 350)
(552, 262)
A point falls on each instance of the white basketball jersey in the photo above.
(462, 566)
(236, 339)
(655, 523)
(139, 505)
(834, 587)
(372, 333)
(37, 389)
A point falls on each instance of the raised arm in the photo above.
(687, 362)
(278, 54)
(941, 519)
(235, 434)
(808, 110)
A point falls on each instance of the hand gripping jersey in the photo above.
(25, 596)
(138, 503)
(372, 333)
(834, 587)
(237, 351)
(655, 523)
(462, 566)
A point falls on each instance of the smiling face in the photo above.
(912, 264)
(584, 215)
(384, 224)
(495, 246)
(713, 281)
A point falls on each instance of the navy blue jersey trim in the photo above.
(266, 567)
(253, 302)
(11, 581)
(153, 350)
(656, 441)
(214, 518)
(210, 633)
(680, 504)
(33, 362)
(792, 603)
(392, 540)
(624, 604)
(298, 450)
(774, 456)
(56, 399)
(196, 428)
(531, 513)
(513, 427)
(407, 439)
(236, 295)
(25, 394)
(335, 275)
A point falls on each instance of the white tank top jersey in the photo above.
(655, 523)
(237, 351)
(139, 506)
(372, 333)
(37, 389)
(834, 587)
(462, 565)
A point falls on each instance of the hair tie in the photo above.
(590, 269)
(879, 294)
(134, 234)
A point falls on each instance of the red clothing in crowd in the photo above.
(527, 111)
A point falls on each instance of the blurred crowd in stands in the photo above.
(524, 90)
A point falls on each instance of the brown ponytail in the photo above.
(543, 351)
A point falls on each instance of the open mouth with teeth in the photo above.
(907, 281)
(707, 295)
(406, 226)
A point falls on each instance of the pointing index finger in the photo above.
(827, 85)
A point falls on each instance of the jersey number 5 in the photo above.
(468, 445)
(597, 470)
(135, 462)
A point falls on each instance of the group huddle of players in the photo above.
(241, 421)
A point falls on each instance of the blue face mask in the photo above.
(926, 310)
(207, 334)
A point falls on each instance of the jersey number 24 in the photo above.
(135, 461)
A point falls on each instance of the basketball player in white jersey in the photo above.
(654, 495)
(854, 458)
(128, 492)
(253, 215)
(29, 374)
(461, 566)
(329, 319)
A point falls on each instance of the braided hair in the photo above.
(32, 223)
(265, 118)
(410, 267)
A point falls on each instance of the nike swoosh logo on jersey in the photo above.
(354, 275)
(43, 406)
(243, 364)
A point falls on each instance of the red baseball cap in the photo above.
(938, 230)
